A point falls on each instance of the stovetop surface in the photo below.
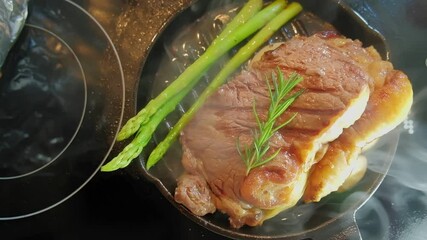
(112, 206)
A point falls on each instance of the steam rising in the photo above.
(397, 210)
(409, 167)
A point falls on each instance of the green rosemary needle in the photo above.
(255, 154)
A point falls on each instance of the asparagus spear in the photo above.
(234, 35)
(145, 131)
(142, 138)
(240, 57)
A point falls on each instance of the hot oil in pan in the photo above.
(183, 41)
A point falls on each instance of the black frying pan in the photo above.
(333, 217)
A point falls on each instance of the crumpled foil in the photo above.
(13, 14)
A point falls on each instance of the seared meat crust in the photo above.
(339, 77)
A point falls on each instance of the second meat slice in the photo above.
(338, 82)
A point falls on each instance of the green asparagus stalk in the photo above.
(240, 57)
(145, 132)
(142, 138)
(248, 10)
(234, 35)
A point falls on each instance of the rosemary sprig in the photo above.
(254, 155)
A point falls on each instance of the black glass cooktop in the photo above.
(113, 206)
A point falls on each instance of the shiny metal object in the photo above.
(13, 14)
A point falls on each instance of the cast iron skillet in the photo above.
(333, 217)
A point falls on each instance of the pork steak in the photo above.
(339, 77)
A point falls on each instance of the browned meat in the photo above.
(393, 99)
(195, 193)
(338, 82)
